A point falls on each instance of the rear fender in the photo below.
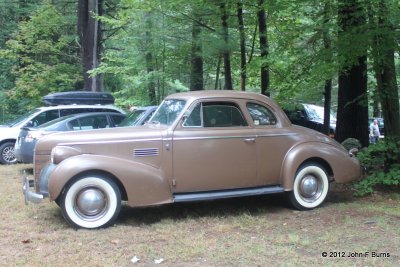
(316, 152)
(144, 184)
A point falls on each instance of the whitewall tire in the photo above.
(91, 202)
(310, 188)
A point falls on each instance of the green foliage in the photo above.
(42, 55)
(43, 59)
(390, 179)
(350, 143)
(383, 164)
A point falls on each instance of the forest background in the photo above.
(341, 54)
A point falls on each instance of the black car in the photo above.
(28, 137)
(310, 116)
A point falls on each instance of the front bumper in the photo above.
(30, 196)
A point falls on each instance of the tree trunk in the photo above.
(383, 51)
(390, 97)
(217, 73)
(373, 24)
(151, 85)
(327, 106)
(226, 52)
(352, 114)
(89, 30)
(196, 74)
(262, 25)
(328, 83)
(242, 46)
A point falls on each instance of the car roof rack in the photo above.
(78, 98)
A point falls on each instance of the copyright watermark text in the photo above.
(364, 254)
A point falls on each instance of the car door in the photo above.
(214, 149)
(273, 142)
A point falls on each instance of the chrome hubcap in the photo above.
(91, 203)
(8, 154)
(310, 187)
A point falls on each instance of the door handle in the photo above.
(250, 140)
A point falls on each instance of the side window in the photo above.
(74, 125)
(45, 116)
(261, 115)
(194, 119)
(216, 114)
(117, 119)
(93, 122)
(86, 123)
(100, 122)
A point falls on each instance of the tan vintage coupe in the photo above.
(197, 146)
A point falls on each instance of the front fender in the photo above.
(340, 164)
(144, 184)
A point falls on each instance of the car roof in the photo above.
(215, 94)
(79, 106)
(219, 94)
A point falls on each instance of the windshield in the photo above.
(168, 111)
(22, 118)
(133, 118)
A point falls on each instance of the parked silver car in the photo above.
(9, 132)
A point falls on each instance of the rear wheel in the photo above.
(91, 202)
(311, 186)
(7, 153)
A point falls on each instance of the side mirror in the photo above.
(29, 124)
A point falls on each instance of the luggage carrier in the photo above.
(78, 97)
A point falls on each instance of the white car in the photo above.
(9, 132)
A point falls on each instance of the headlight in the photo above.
(59, 153)
(33, 135)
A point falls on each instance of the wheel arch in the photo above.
(99, 173)
(134, 179)
(8, 140)
(301, 155)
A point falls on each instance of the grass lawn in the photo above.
(254, 231)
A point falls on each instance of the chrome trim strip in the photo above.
(213, 137)
(230, 137)
(110, 142)
(276, 134)
(187, 197)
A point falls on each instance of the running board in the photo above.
(211, 195)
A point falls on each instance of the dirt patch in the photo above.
(254, 231)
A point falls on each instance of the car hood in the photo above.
(99, 136)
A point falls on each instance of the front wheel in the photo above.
(311, 186)
(91, 202)
(7, 153)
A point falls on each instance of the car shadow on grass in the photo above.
(276, 204)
